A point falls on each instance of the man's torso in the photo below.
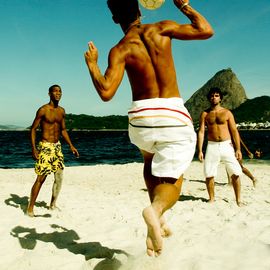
(217, 124)
(149, 63)
(51, 123)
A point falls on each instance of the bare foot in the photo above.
(153, 239)
(165, 229)
(241, 204)
(30, 213)
(211, 200)
(54, 207)
(255, 182)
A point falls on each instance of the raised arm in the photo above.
(199, 28)
(107, 84)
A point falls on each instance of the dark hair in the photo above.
(53, 86)
(124, 11)
(214, 90)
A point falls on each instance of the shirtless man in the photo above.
(49, 158)
(159, 124)
(221, 130)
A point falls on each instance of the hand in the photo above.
(74, 151)
(200, 156)
(179, 3)
(238, 154)
(91, 56)
(250, 155)
(35, 154)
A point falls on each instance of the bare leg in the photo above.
(249, 175)
(57, 184)
(237, 188)
(229, 178)
(151, 182)
(210, 184)
(162, 196)
(34, 193)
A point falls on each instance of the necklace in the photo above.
(132, 25)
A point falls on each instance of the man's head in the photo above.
(54, 86)
(55, 92)
(214, 91)
(124, 11)
(258, 153)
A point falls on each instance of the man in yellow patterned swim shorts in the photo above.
(48, 155)
(50, 159)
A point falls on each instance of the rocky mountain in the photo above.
(227, 81)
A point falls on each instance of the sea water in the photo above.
(104, 147)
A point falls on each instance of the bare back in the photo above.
(148, 61)
(145, 54)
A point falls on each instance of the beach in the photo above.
(99, 224)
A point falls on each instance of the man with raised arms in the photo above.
(159, 124)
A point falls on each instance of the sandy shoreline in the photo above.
(100, 224)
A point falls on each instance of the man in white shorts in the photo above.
(221, 129)
(158, 122)
(163, 127)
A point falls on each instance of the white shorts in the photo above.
(220, 151)
(163, 127)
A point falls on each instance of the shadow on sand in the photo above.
(183, 197)
(22, 203)
(63, 238)
(203, 182)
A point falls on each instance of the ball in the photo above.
(151, 4)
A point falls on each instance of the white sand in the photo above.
(100, 224)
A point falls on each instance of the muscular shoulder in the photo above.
(61, 109)
(204, 113)
(43, 109)
(144, 31)
(118, 52)
(225, 112)
(167, 27)
(203, 117)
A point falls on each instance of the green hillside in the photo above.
(253, 110)
(89, 122)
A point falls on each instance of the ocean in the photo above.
(104, 147)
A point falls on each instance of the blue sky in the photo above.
(43, 42)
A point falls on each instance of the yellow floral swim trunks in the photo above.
(50, 158)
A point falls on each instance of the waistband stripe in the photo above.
(160, 108)
(158, 116)
(171, 126)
